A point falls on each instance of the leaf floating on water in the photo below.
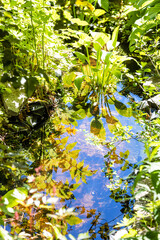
(73, 220)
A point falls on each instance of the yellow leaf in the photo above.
(74, 153)
(72, 172)
(74, 162)
(70, 146)
(80, 3)
(132, 233)
(84, 178)
(64, 141)
(73, 220)
(71, 130)
(67, 165)
(80, 164)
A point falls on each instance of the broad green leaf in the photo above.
(80, 114)
(78, 82)
(73, 220)
(79, 22)
(155, 176)
(106, 56)
(68, 79)
(99, 12)
(58, 233)
(100, 37)
(115, 36)
(150, 235)
(30, 85)
(97, 46)
(81, 56)
(104, 4)
(15, 196)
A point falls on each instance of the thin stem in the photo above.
(43, 61)
(34, 38)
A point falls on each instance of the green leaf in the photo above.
(99, 12)
(152, 235)
(105, 56)
(97, 46)
(73, 220)
(78, 82)
(68, 79)
(81, 56)
(79, 22)
(104, 4)
(58, 233)
(80, 114)
(13, 197)
(30, 85)
(155, 177)
(115, 36)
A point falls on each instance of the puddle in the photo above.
(97, 209)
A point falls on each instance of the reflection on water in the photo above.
(92, 200)
(76, 157)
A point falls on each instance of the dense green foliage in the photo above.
(60, 53)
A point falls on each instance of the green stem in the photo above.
(34, 38)
(43, 61)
